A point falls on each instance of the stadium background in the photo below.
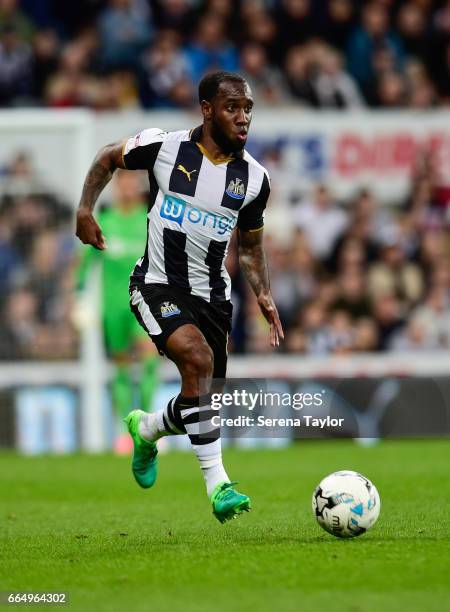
(351, 122)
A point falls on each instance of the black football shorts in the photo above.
(161, 309)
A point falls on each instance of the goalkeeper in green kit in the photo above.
(125, 224)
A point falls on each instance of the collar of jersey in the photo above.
(195, 135)
(216, 162)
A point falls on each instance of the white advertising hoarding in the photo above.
(346, 150)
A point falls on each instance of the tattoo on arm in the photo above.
(253, 261)
(100, 173)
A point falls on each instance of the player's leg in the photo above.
(215, 322)
(194, 357)
(117, 345)
(188, 348)
(149, 382)
(145, 429)
(122, 399)
(172, 321)
(194, 370)
(149, 359)
(121, 385)
(146, 303)
(151, 428)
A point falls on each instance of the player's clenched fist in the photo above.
(88, 230)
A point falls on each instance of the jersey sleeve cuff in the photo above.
(123, 155)
(251, 229)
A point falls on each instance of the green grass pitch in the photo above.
(80, 524)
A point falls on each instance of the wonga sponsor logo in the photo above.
(173, 209)
(176, 209)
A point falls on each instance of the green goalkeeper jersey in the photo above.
(125, 233)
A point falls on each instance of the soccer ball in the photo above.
(346, 504)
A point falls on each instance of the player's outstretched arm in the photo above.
(107, 160)
(252, 259)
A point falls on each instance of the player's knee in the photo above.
(199, 361)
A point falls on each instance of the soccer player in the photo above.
(125, 224)
(202, 185)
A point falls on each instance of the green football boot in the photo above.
(145, 463)
(228, 503)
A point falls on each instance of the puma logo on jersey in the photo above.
(186, 172)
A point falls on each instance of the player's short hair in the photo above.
(209, 85)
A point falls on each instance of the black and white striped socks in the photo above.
(191, 415)
(165, 422)
(197, 416)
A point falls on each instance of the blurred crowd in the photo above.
(36, 255)
(355, 276)
(125, 54)
(346, 276)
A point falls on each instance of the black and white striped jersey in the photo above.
(194, 206)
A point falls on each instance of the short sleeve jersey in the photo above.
(194, 206)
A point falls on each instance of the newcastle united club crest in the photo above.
(169, 310)
(236, 189)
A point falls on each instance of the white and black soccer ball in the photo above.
(346, 504)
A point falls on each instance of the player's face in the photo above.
(231, 114)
